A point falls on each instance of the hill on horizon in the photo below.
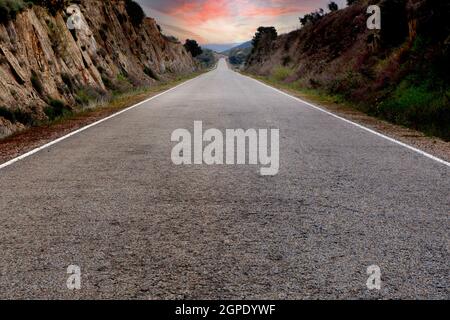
(244, 45)
(219, 47)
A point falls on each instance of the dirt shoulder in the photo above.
(31, 138)
(432, 145)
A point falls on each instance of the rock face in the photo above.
(83, 50)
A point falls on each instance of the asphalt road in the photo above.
(111, 201)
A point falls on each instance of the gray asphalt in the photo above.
(110, 201)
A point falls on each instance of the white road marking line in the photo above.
(423, 153)
(45, 146)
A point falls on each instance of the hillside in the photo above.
(208, 58)
(242, 46)
(238, 55)
(400, 73)
(46, 68)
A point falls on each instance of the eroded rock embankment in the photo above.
(48, 64)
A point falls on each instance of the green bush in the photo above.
(17, 115)
(52, 5)
(135, 12)
(152, 74)
(86, 95)
(281, 73)
(10, 8)
(56, 109)
(36, 82)
(419, 107)
(24, 117)
(7, 114)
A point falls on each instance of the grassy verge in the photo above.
(338, 105)
(418, 105)
(311, 95)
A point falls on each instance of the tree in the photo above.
(135, 12)
(193, 47)
(312, 17)
(333, 6)
(266, 33)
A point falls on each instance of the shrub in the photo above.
(56, 109)
(53, 6)
(281, 73)
(23, 117)
(107, 82)
(68, 81)
(264, 34)
(86, 95)
(312, 18)
(7, 114)
(332, 6)
(193, 47)
(36, 82)
(135, 12)
(9, 9)
(152, 74)
(419, 107)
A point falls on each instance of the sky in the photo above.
(227, 21)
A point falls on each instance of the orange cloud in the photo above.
(228, 21)
(195, 13)
(267, 11)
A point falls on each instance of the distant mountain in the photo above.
(219, 47)
(241, 46)
(238, 55)
(208, 58)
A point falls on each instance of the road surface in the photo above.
(111, 201)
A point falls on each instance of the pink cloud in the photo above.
(197, 12)
(230, 20)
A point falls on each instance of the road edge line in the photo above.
(49, 144)
(411, 148)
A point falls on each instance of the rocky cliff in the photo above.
(68, 54)
(400, 73)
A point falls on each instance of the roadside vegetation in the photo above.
(207, 58)
(238, 56)
(10, 8)
(400, 73)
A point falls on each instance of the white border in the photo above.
(45, 146)
(423, 153)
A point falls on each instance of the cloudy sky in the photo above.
(227, 21)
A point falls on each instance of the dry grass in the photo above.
(339, 106)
